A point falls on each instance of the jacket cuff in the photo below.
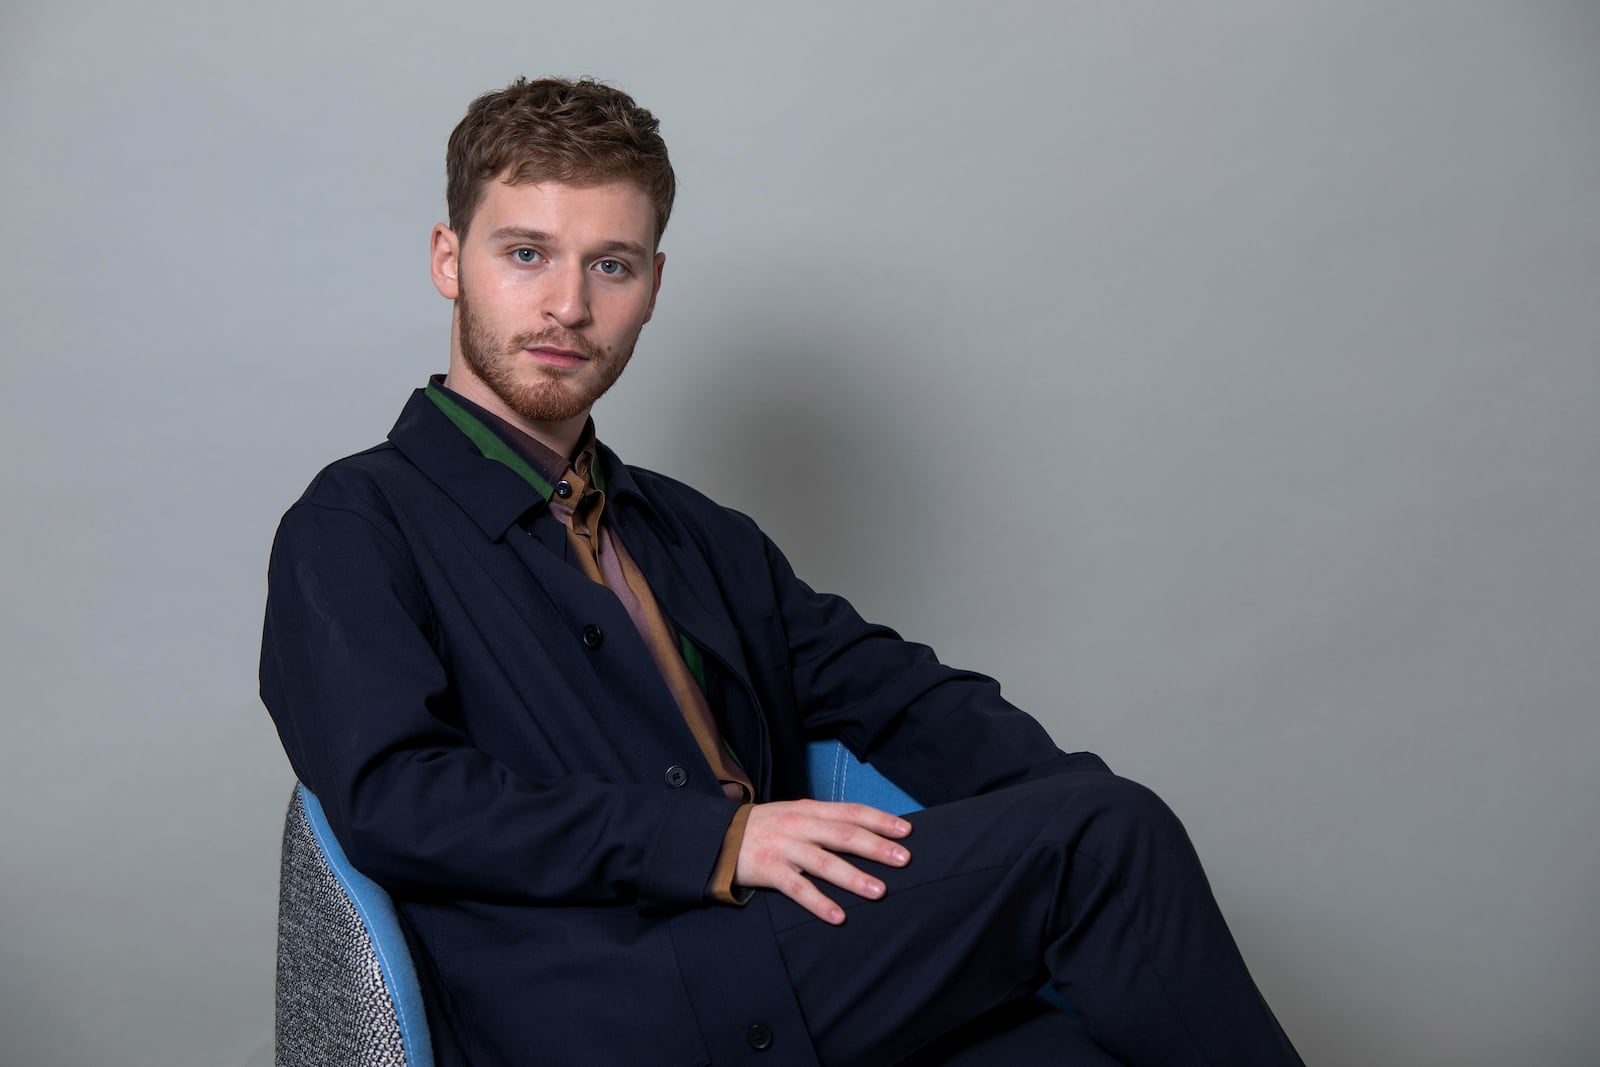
(687, 842)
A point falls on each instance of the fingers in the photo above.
(804, 892)
(798, 880)
(853, 830)
(788, 844)
(879, 822)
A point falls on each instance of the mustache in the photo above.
(556, 337)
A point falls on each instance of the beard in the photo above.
(538, 394)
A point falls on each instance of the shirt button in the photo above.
(677, 777)
(563, 489)
(759, 1037)
(593, 636)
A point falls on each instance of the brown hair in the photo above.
(576, 132)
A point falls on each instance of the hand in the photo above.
(787, 841)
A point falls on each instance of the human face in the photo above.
(552, 284)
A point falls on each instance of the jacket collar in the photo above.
(491, 481)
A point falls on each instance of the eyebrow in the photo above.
(522, 233)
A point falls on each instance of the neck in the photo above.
(560, 437)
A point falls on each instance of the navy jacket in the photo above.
(492, 742)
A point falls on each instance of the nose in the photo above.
(566, 299)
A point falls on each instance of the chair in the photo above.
(347, 991)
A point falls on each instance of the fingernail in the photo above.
(875, 889)
(900, 855)
(836, 916)
(902, 827)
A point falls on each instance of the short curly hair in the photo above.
(577, 132)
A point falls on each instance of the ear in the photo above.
(655, 285)
(445, 255)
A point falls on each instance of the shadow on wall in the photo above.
(814, 443)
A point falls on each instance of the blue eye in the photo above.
(525, 255)
(611, 267)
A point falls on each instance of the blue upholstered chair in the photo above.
(836, 774)
(347, 989)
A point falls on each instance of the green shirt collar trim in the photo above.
(490, 443)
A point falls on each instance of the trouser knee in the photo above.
(1115, 818)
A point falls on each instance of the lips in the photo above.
(557, 348)
(557, 355)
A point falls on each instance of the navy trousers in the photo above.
(1087, 881)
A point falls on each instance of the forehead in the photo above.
(606, 211)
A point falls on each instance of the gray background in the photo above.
(1222, 376)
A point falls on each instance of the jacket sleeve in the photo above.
(938, 732)
(363, 704)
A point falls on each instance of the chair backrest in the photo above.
(836, 774)
(347, 989)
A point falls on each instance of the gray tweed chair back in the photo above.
(346, 990)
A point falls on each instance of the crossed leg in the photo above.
(1085, 880)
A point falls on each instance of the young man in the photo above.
(557, 706)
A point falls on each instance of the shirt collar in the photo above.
(494, 491)
(537, 464)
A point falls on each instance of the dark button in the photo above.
(759, 1037)
(563, 489)
(593, 636)
(677, 777)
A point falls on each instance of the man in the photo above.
(557, 706)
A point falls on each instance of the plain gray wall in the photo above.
(1222, 376)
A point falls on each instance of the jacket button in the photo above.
(759, 1037)
(677, 777)
(593, 636)
(563, 489)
